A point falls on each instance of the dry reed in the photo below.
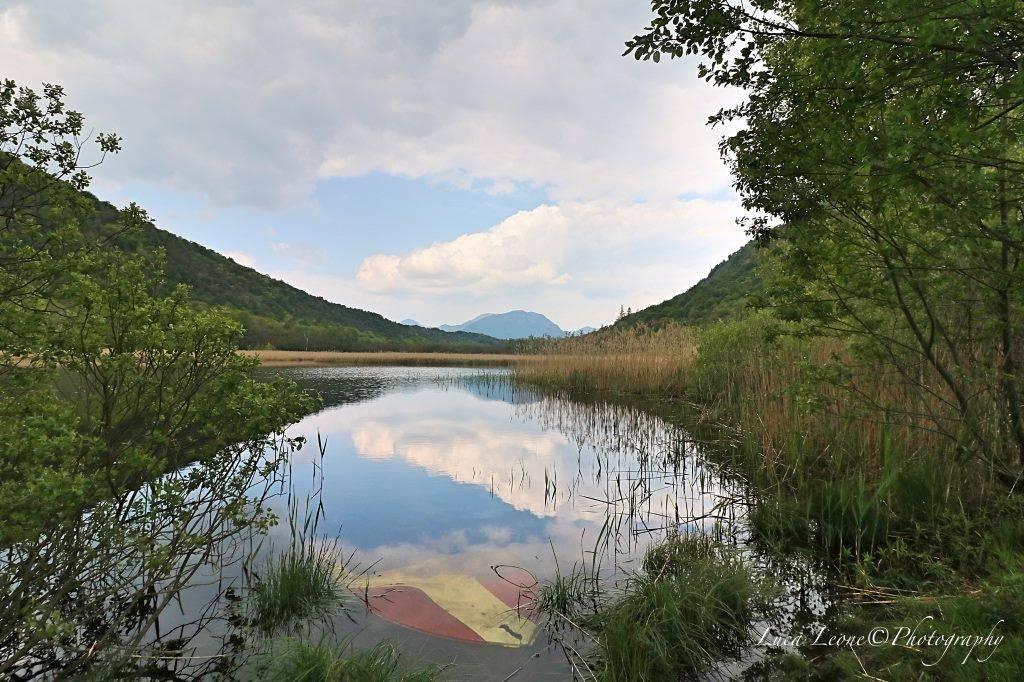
(615, 360)
(277, 358)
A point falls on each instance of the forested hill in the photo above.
(276, 314)
(722, 294)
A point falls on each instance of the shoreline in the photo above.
(292, 358)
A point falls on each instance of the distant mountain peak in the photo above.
(512, 324)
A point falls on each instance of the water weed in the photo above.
(307, 580)
(300, 661)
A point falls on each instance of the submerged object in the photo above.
(494, 609)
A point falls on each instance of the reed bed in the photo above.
(841, 457)
(643, 361)
(771, 396)
(286, 358)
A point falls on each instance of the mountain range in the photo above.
(278, 315)
(514, 324)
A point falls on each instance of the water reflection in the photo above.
(435, 470)
(435, 475)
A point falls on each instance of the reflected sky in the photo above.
(455, 469)
(431, 478)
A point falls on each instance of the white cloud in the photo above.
(576, 262)
(521, 251)
(241, 258)
(252, 103)
(249, 105)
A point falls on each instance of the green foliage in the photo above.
(133, 440)
(885, 137)
(324, 662)
(991, 603)
(880, 148)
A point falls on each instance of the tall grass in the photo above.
(301, 583)
(842, 458)
(325, 662)
(797, 428)
(638, 360)
(688, 608)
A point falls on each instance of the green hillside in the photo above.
(722, 294)
(276, 314)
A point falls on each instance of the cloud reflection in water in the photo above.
(458, 475)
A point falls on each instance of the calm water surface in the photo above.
(445, 480)
(453, 469)
(436, 476)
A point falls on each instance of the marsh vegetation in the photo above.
(907, 526)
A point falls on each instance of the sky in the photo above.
(426, 160)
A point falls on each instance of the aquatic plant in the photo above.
(567, 598)
(300, 583)
(689, 607)
(326, 662)
(305, 581)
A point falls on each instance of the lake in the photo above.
(455, 490)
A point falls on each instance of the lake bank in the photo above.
(294, 358)
(915, 537)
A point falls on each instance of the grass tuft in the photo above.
(325, 662)
(301, 583)
(307, 580)
(689, 607)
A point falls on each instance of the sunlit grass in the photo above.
(288, 358)
(631, 360)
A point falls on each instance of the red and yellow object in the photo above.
(454, 605)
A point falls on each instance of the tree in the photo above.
(880, 144)
(131, 432)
